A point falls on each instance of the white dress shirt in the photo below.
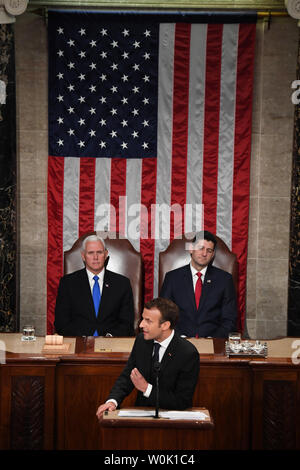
(92, 282)
(194, 275)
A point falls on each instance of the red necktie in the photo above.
(198, 289)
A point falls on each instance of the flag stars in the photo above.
(113, 111)
(146, 56)
(82, 32)
(81, 77)
(113, 134)
(60, 120)
(114, 44)
(136, 44)
(135, 134)
(71, 132)
(114, 66)
(114, 89)
(124, 78)
(60, 30)
(60, 53)
(102, 122)
(93, 43)
(102, 144)
(81, 143)
(71, 42)
(147, 33)
(136, 67)
(135, 112)
(145, 145)
(102, 99)
(124, 100)
(92, 111)
(60, 142)
(92, 88)
(71, 65)
(70, 110)
(124, 123)
(92, 66)
(82, 54)
(124, 145)
(135, 89)
(71, 87)
(92, 133)
(81, 99)
(125, 55)
(103, 32)
(103, 55)
(60, 76)
(145, 123)
(125, 32)
(81, 122)
(103, 77)
(60, 98)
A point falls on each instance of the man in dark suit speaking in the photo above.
(94, 300)
(204, 294)
(178, 359)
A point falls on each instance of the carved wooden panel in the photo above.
(279, 411)
(27, 412)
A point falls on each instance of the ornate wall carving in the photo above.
(8, 244)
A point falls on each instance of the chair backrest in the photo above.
(177, 255)
(122, 258)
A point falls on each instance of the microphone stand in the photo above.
(157, 371)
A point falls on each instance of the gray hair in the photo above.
(92, 238)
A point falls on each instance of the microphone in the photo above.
(157, 369)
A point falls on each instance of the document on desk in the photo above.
(194, 415)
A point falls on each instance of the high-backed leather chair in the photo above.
(122, 259)
(177, 255)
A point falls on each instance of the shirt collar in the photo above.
(194, 271)
(165, 343)
(100, 275)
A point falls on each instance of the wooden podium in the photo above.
(149, 433)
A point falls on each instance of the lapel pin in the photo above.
(106, 285)
(208, 281)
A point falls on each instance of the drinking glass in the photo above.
(28, 333)
(234, 340)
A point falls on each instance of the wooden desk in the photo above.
(50, 402)
(145, 433)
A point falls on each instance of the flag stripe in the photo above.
(55, 232)
(86, 195)
(211, 125)
(70, 201)
(241, 180)
(196, 123)
(102, 194)
(117, 190)
(164, 140)
(148, 191)
(226, 132)
(180, 122)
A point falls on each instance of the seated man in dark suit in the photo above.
(207, 302)
(94, 300)
(178, 358)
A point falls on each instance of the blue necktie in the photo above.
(96, 294)
(96, 297)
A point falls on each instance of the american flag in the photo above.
(148, 113)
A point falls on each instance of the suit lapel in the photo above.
(84, 287)
(106, 293)
(188, 287)
(170, 353)
(206, 287)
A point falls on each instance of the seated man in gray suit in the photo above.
(204, 294)
(94, 300)
(177, 357)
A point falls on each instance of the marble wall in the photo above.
(268, 254)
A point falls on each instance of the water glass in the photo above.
(28, 333)
(234, 340)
